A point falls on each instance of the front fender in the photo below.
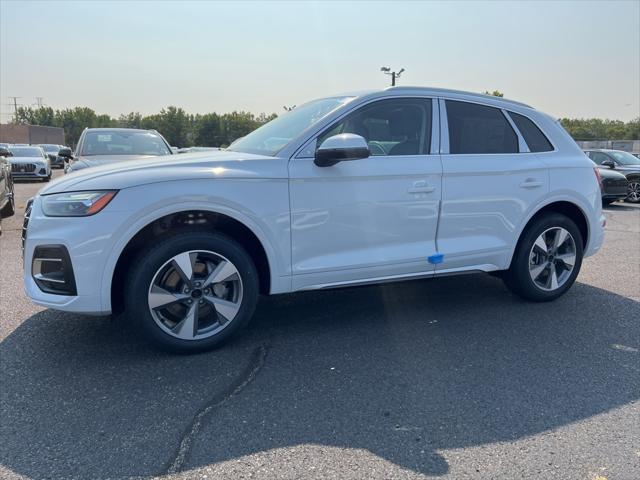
(268, 219)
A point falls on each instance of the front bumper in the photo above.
(39, 171)
(88, 241)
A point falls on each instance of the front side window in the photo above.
(598, 157)
(477, 129)
(536, 140)
(391, 127)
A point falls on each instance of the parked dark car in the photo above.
(622, 162)
(614, 185)
(7, 199)
(52, 152)
(102, 146)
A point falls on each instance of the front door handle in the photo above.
(421, 187)
(530, 183)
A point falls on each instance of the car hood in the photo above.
(97, 160)
(25, 159)
(608, 173)
(185, 166)
(628, 168)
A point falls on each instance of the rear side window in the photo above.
(536, 140)
(598, 157)
(477, 128)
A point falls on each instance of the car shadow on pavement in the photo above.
(402, 370)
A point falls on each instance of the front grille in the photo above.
(25, 222)
(23, 167)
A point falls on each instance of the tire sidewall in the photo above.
(149, 262)
(520, 266)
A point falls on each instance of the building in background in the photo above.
(31, 134)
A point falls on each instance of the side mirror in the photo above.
(608, 163)
(65, 153)
(5, 153)
(340, 148)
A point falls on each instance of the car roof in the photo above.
(109, 129)
(436, 92)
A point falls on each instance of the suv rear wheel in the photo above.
(192, 291)
(547, 259)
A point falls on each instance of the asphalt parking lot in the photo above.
(450, 378)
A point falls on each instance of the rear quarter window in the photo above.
(475, 128)
(536, 140)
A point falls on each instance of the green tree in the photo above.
(207, 130)
(495, 93)
(130, 120)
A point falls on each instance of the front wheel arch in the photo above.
(171, 223)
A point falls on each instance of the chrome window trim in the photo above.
(522, 145)
(435, 127)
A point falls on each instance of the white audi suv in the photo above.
(380, 186)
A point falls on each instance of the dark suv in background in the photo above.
(52, 150)
(622, 162)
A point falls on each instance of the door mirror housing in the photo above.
(609, 163)
(340, 148)
(65, 153)
(5, 153)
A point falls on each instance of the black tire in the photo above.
(517, 278)
(145, 266)
(9, 209)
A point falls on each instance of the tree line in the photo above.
(182, 129)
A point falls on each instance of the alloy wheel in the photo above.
(552, 259)
(195, 294)
(633, 192)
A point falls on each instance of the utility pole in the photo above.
(394, 75)
(40, 102)
(15, 104)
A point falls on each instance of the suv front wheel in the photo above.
(547, 259)
(192, 291)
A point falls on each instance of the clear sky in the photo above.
(575, 59)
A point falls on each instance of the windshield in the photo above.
(26, 151)
(273, 136)
(123, 143)
(50, 148)
(625, 158)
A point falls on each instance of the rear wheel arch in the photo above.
(203, 220)
(568, 209)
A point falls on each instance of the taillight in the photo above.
(597, 172)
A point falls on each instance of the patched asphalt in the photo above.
(449, 378)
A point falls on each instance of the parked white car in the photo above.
(30, 162)
(380, 186)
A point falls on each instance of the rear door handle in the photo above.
(530, 183)
(421, 187)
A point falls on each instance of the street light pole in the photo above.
(394, 75)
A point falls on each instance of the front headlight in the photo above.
(76, 204)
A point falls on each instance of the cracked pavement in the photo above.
(443, 378)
